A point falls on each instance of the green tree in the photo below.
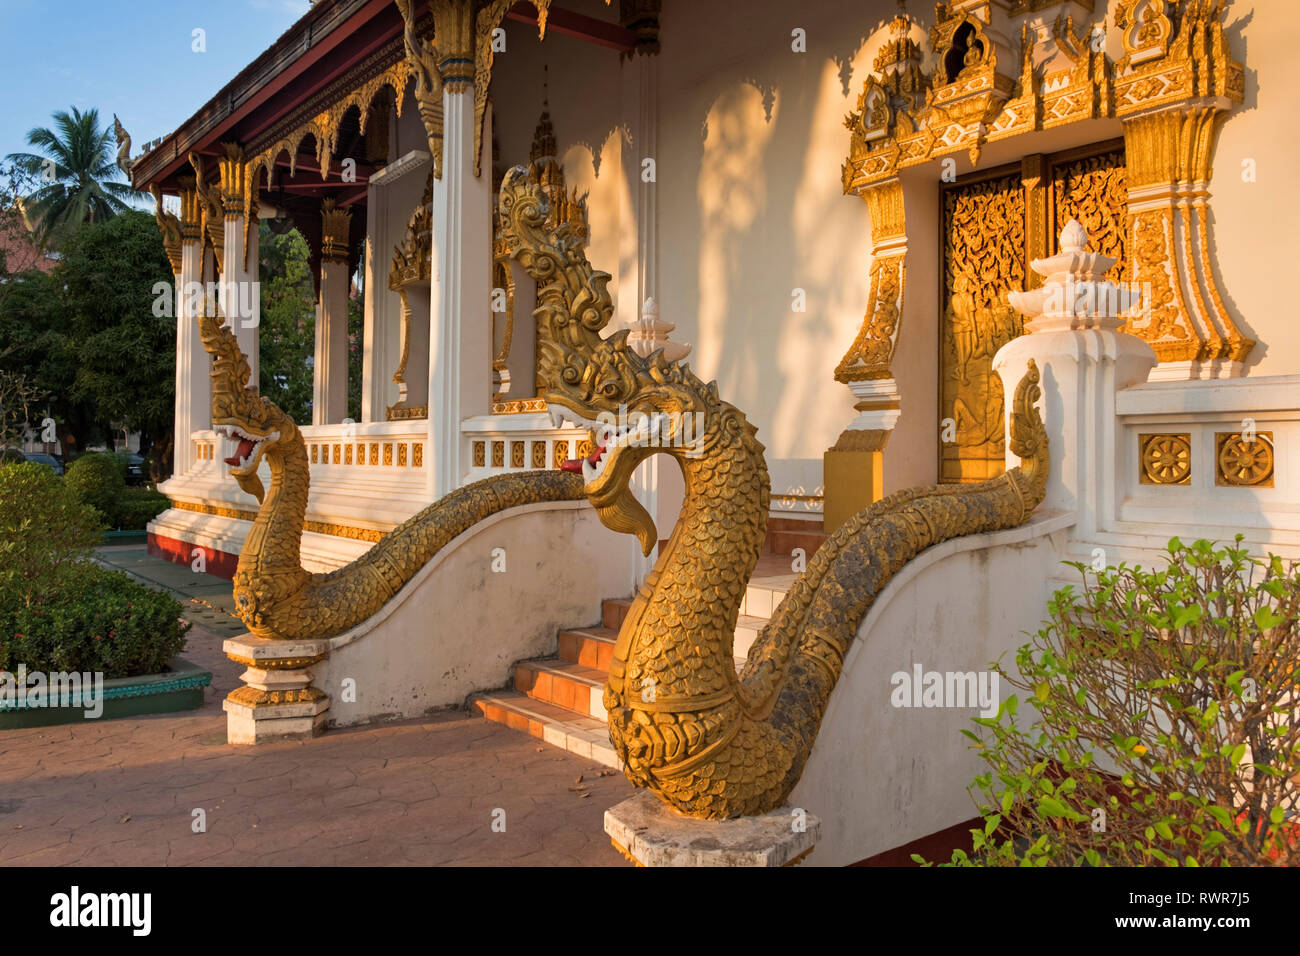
(112, 273)
(288, 322)
(78, 169)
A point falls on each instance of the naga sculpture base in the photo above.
(650, 833)
(277, 701)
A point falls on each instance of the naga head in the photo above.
(259, 427)
(636, 406)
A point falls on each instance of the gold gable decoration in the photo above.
(1173, 88)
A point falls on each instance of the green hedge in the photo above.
(61, 612)
(98, 480)
(138, 506)
(95, 620)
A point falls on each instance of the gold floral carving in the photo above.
(1093, 191)
(1166, 459)
(709, 742)
(1244, 460)
(1172, 89)
(872, 351)
(983, 257)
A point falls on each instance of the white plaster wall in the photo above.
(1254, 239)
(458, 627)
(880, 776)
(751, 207)
(585, 83)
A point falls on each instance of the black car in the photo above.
(135, 469)
(48, 461)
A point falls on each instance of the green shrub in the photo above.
(1165, 729)
(95, 620)
(138, 506)
(98, 480)
(44, 526)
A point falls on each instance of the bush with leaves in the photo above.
(97, 480)
(44, 527)
(1165, 730)
(59, 611)
(138, 506)
(97, 620)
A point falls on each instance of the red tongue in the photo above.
(575, 464)
(245, 449)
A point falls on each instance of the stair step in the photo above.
(584, 736)
(588, 646)
(563, 684)
(613, 611)
(784, 542)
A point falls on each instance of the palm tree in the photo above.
(79, 171)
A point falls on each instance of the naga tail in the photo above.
(796, 661)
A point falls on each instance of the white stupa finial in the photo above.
(1075, 293)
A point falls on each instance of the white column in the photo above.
(239, 289)
(330, 375)
(374, 363)
(193, 386)
(460, 330)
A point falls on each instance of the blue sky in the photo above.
(130, 57)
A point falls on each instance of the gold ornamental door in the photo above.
(994, 224)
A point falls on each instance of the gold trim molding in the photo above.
(319, 527)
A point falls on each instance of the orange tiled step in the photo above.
(613, 611)
(589, 646)
(564, 684)
(584, 736)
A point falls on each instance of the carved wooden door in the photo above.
(993, 225)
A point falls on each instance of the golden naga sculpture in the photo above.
(274, 595)
(711, 743)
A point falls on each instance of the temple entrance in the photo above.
(994, 224)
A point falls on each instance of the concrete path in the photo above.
(451, 789)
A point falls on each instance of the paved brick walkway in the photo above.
(117, 792)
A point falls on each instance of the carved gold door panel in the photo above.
(994, 224)
(1090, 186)
(983, 258)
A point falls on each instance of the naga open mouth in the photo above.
(648, 431)
(249, 447)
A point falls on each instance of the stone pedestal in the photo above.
(1073, 333)
(277, 701)
(650, 833)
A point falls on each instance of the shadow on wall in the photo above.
(767, 258)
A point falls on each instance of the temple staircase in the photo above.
(558, 698)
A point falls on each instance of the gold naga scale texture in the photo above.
(709, 742)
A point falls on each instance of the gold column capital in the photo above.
(233, 173)
(336, 225)
(191, 210)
